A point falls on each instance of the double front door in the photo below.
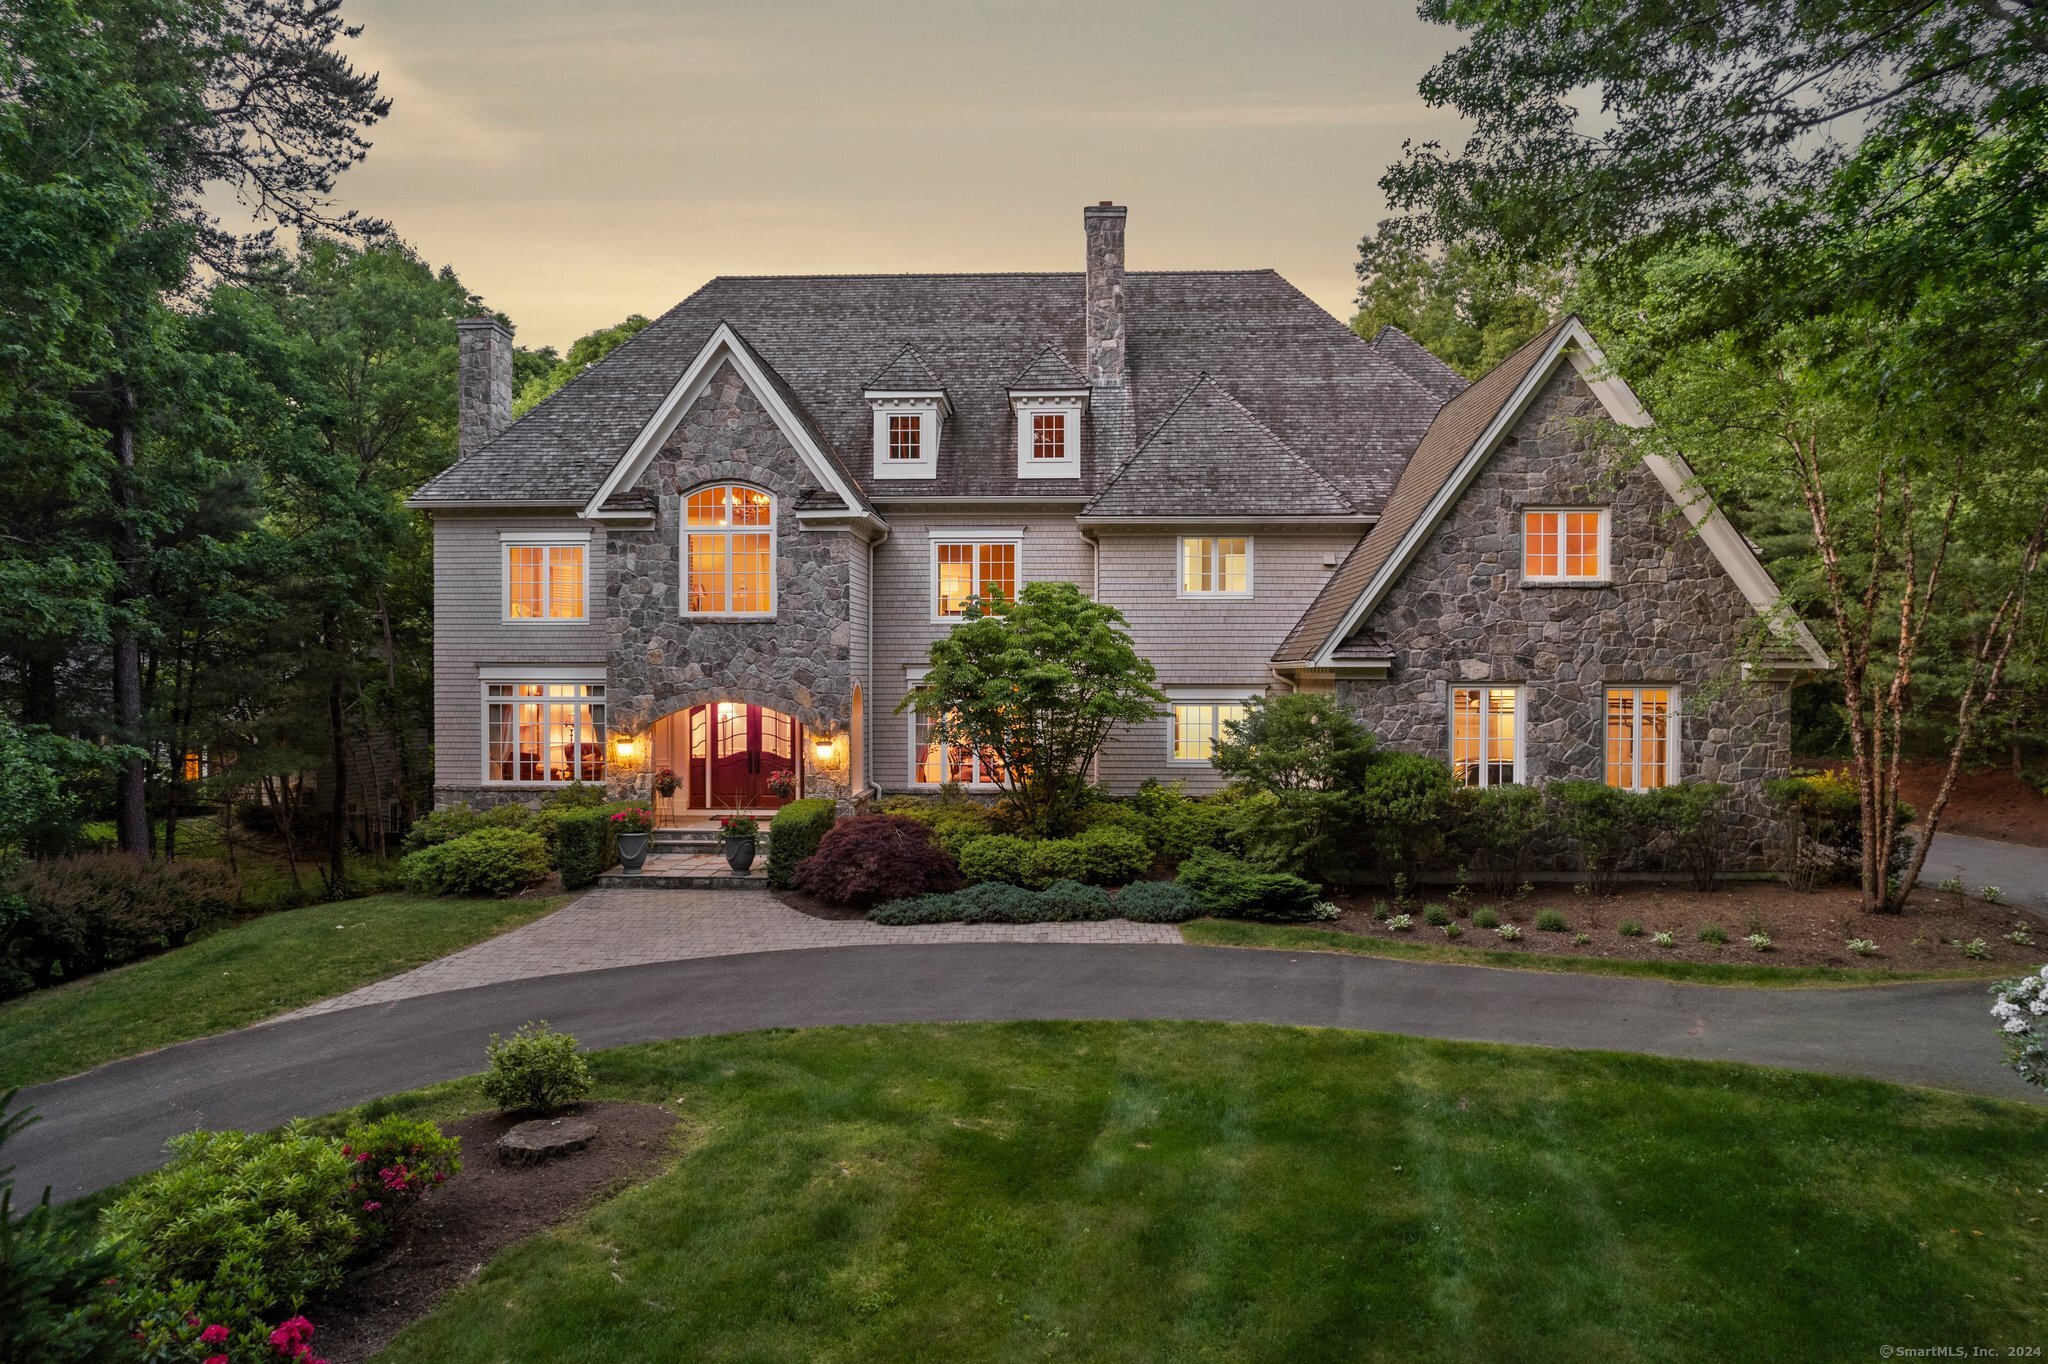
(729, 755)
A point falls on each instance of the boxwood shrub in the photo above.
(1113, 855)
(584, 846)
(1223, 884)
(794, 834)
(485, 862)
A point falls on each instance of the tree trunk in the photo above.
(131, 803)
(337, 798)
(399, 733)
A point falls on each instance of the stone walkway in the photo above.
(608, 928)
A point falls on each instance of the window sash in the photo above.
(729, 552)
(906, 437)
(935, 764)
(1197, 725)
(1640, 734)
(542, 733)
(1486, 736)
(966, 569)
(1049, 436)
(1214, 566)
(545, 582)
(1564, 546)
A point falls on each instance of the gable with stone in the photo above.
(719, 557)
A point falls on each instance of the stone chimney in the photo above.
(1104, 225)
(483, 382)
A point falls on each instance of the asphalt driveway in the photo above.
(2020, 872)
(110, 1123)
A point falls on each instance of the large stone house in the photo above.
(726, 549)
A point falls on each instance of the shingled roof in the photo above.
(1442, 450)
(1048, 372)
(1339, 405)
(908, 372)
(1418, 363)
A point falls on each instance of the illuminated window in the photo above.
(544, 732)
(194, 767)
(935, 763)
(1640, 738)
(1564, 546)
(965, 569)
(729, 545)
(906, 437)
(1211, 567)
(1485, 736)
(546, 579)
(1198, 725)
(1048, 435)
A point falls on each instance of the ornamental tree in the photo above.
(1035, 686)
(1307, 756)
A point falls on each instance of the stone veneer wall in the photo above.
(1460, 614)
(799, 662)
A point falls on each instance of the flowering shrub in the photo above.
(739, 826)
(536, 1070)
(666, 782)
(398, 1162)
(634, 819)
(2022, 1013)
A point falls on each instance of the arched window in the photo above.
(729, 552)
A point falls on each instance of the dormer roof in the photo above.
(907, 372)
(1049, 372)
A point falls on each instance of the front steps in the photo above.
(690, 859)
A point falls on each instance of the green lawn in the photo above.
(1286, 938)
(1142, 1192)
(255, 969)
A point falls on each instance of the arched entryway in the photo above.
(726, 756)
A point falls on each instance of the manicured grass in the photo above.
(1169, 1191)
(1285, 938)
(250, 971)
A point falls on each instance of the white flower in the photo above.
(2015, 1025)
(2038, 1007)
(2005, 1008)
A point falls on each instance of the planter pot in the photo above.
(739, 853)
(632, 852)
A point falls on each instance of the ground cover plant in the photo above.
(1142, 1191)
(240, 974)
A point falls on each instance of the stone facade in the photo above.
(484, 382)
(1669, 615)
(800, 661)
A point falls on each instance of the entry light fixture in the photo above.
(625, 746)
(821, 747)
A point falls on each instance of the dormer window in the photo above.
(909, 407)
(906, 438)
(1048, 434)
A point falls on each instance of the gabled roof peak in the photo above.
(908, 372)
(1048, 372)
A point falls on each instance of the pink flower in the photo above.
(290, 1338)
(215, 1334)
(372, 1206)
(216, 1359)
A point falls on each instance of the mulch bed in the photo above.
(1806, 928)
(455, 1232)
(816, 908)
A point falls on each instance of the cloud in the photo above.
(430, 124)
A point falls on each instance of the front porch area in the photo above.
(723, 758)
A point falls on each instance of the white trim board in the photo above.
(724, 344)
(1723, 541)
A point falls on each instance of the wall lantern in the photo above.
(625, 746)
(821, 747)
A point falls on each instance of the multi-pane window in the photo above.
(1485, 724)
(906, 437)
(544, 731)
(729, 545)
(1215, 567)
(1048, 435)
(1639, 736)
(965, 569)
(544, 581)
(934, 763)
(1197, 725)
(1564, 546)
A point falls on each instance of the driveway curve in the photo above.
(105, 1125)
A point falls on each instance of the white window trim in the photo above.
(1675, 712)
(968, 535)
(510, 540)
(917, 684)
(1521, 777)
(928, 409)
(515, 675)
(1606, 575)
(1180, 571)
(1200, 696)
(1029, 406)
(686, 530)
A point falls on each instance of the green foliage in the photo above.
(997, 857)
(1606, 825)
(398, 1161)
(450, 822)
(1157, 902)
(1113, 855)
(1825, 812)
(1307, 757)
(585, 845)
(1485, 918)
(993, 902)
(1469, 310)
(535, 1070)
(1404, 807)
(1436, 916)
(871, 858)
(253, 1221)
(1223, 884)
(1495, 826)
(1550, 921)
(1715, 934)
(39, 776)
(587, 351)
(1104, 854)
(1630, 928)
(1037, 685)
(1690, 817)
(63, 917)
(794, 834)
(1181, 823)
(1070, 901)
(489, 861)
(56, 1304)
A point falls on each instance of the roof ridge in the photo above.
(917, 362)
(994, 274)
(1139, 449)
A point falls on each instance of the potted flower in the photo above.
(666, 781)
(739, 833)
(782, 785)
(631, 827)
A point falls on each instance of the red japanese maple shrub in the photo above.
(868, 859)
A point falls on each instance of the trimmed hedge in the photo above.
(487, 862)
(794, 834)
(1223, 884)
(997, 902)
(584, 846)
(1105, 854)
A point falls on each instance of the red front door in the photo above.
(750, 745)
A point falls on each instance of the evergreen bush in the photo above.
(1157, 902)
(1223, 884)
(489, 861)
(794, 834)
(535, 1070)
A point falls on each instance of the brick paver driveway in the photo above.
(608, 928)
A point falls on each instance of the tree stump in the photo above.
(542, 1139)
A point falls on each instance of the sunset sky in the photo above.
(576, 163)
